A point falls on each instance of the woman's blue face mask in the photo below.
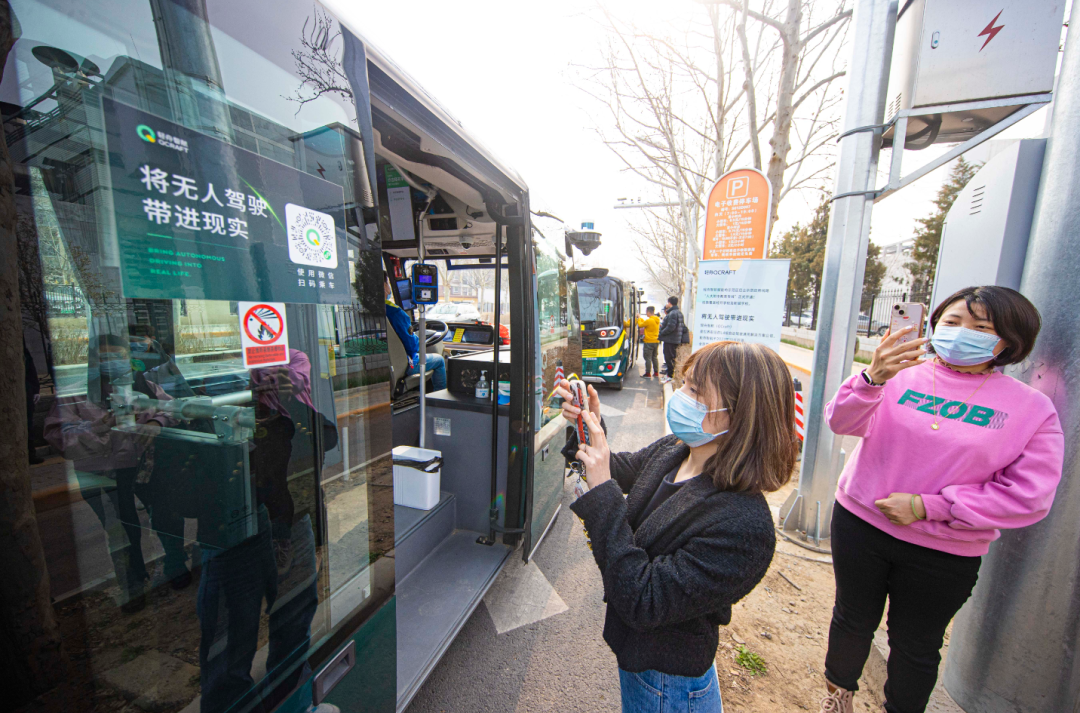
(961, 346)
(113, 366)
(686, 416)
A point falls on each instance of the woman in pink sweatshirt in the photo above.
(952, 450)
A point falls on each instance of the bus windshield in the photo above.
(598, 303)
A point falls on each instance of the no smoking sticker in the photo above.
(264, 337)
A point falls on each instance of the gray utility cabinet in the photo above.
(985, 238)
(460, 427)
(948, 51)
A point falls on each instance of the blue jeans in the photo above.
(655, 692)
(438, 371)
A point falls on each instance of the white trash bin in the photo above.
(417, 472)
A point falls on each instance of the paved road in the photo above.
(560, 663)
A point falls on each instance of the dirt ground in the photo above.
(786, 623)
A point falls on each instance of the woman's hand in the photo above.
(902, 508)
(569, 410)
(103, 424)
(146, 433)
(891, 358)
(596, 457)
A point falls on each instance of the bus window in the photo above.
(204, 312)
(598, 304)
(467, 294)
(559, 356)
(557, 340)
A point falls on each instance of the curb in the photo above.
(55, 497)
(797, 367)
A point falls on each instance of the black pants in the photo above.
(925, 589)
(669, 358)
(270, 460)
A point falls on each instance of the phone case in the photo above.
(907, 314)
(581, 399)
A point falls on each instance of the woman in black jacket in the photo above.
(694, 534)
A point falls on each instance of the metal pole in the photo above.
(1013, 646)
(494, 391)
(422, 358)
(873, 25)
(870, 315)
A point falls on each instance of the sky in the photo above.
(506, 72)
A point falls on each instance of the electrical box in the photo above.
(951, 51)
(985, 238)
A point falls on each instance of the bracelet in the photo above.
(869, 381)
(914, 511)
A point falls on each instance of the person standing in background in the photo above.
(671, 334)
(650, 323)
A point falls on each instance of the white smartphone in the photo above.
(908, 314)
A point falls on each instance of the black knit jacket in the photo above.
(669, 584)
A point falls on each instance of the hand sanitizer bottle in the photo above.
(482, 389)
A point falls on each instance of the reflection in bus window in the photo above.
(208, 523)
(560, 345)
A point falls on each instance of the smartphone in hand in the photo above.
(580, 392)
(908, 314)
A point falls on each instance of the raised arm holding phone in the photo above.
(694, 533)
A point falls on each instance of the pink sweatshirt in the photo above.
(994, 462)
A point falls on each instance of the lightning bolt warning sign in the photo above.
(990, 31)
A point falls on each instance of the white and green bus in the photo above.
(208, 195)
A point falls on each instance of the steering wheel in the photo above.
(436, 331)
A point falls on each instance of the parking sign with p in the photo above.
(739, 213)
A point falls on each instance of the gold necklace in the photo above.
(937, 415)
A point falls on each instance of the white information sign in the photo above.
(740, 301)
(399, 200)
(264, 338)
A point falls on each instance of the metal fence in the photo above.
(65, 300)
(874, 311)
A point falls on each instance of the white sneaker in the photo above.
(665, 379)
(839, 701)
(324, 708)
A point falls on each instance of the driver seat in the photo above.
(399, 364)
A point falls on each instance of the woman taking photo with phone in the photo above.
(952, 450)
(694, 533)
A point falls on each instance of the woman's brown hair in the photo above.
(758, 452)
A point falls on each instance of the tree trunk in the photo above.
(751, 92)
(714, 17)
(781, 138)
(30, 641)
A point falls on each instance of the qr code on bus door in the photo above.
(312, 238)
